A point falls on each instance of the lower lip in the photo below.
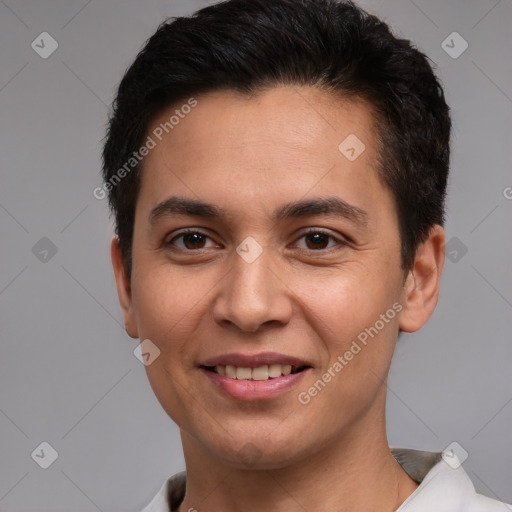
(253, 390)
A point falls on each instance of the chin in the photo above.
(259, 452)
(253, 457)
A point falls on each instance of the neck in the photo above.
(354, 472)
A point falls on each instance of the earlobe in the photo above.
(123, 289)
(421, 289)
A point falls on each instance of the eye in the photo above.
(318, 240)
(314, 239)
(191, 240)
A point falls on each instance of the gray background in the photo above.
(68, 373)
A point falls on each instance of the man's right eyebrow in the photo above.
(182, 206)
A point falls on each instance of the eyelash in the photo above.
(340, 241)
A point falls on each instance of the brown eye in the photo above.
(317, 240)
(190, 241)
(193, 241)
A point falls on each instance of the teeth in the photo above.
(243, 373)
(261, 373)
(230, 371)
(274, 370)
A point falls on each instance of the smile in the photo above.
(261, 373)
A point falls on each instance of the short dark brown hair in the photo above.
(249, 45)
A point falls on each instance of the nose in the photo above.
(253, 295)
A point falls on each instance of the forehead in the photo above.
(298, 117)
(285, 141)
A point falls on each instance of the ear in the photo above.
(124, 291)
(421, 288)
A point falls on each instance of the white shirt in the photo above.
(444, 486)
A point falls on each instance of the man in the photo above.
(277, 171)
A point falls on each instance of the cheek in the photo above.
(358, 347)
(167, 307)
(166, 302)
(357, 325)
(344, 303)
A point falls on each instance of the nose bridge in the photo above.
(251, 292)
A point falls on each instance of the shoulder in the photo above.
(170, 494)
(445, 487)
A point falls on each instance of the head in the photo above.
(306, 151)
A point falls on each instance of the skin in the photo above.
(249, 156)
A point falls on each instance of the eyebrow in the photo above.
(330, 206)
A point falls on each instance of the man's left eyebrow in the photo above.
(322, 206)
(305, 208)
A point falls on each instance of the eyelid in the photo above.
(341, 240)
(186, 231)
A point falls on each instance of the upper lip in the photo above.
(253, 361)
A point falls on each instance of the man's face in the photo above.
(320, 281)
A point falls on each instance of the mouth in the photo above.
(257, 367)
(260, 373)
(256, 377)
